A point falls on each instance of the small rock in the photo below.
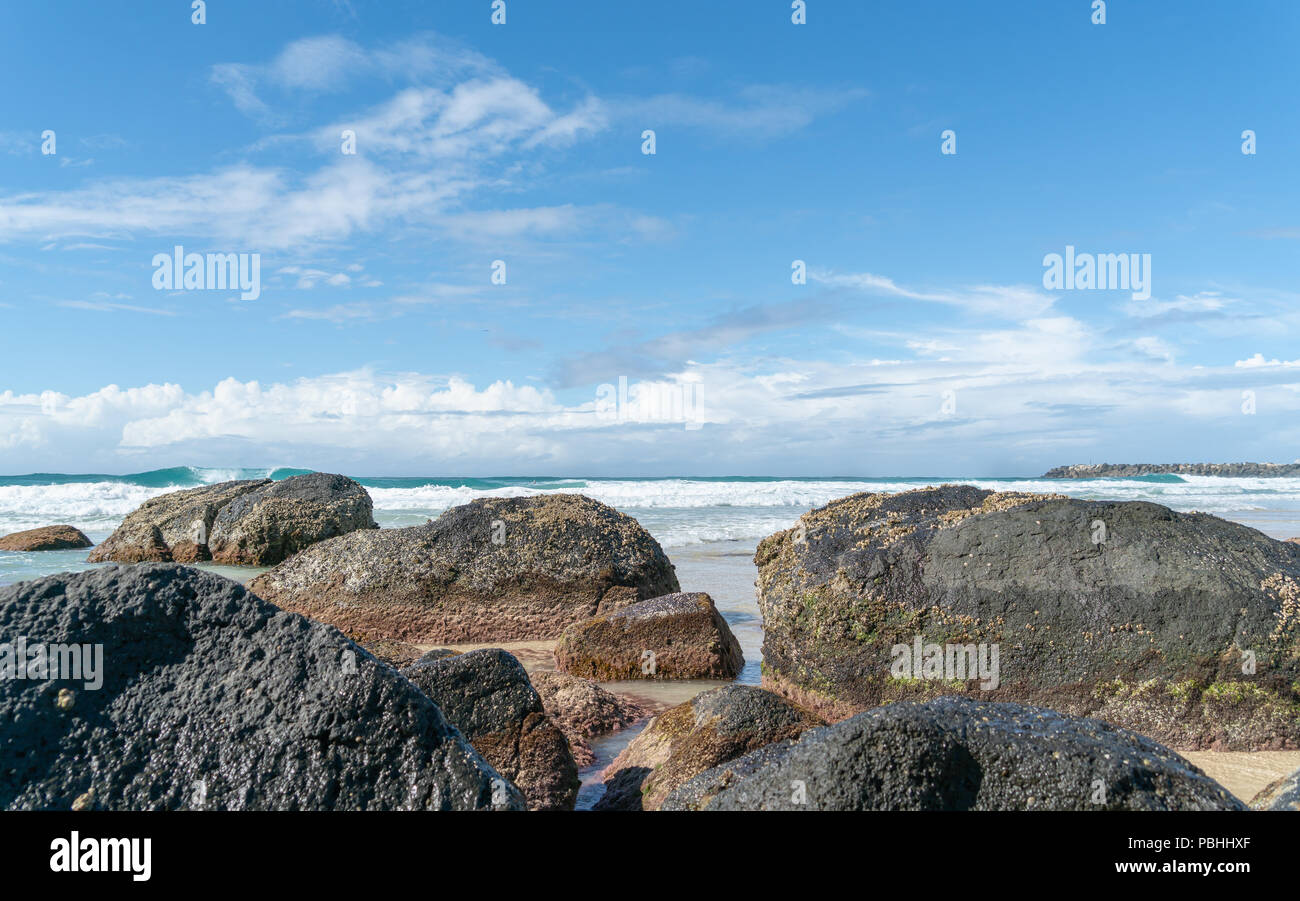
(681, 743)
(584, 710)
(47, 538)
(677, 636)
(487, 696)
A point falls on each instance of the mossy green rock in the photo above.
(1181, 626)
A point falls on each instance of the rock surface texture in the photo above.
(498, 569)
(1181, 626)
(487, 696)
(584, 710)
(213, 699)
(47, 538)
(677, 636)
(254, 522)
(1284, 794)
(958, 754)
(682, 742)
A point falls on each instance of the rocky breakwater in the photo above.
(1130, 470)
(498, 569)
(486, 694)
(958, 754)
(255, 522)
(1183, 627)
(686, 740)
(192, 693)
(677, 636)
(47, 538)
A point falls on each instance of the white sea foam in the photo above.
(679, 512)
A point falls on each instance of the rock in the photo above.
(1126, 611)
(497, 569)
(677, 636)
(583, 710)
(487, 696)
(253, 522)
(699, 791)
(47, 538)
(271, 524)
(683, 742)
(1293, 541)
(1129, 470)
(172, 527)
(1284, 794)
(959, 754)
(213, 699)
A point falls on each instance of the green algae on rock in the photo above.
(1182, 626)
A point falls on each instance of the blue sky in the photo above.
(924, 341)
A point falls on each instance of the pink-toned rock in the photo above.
(583, 710)
(48, 538)
(676, 636)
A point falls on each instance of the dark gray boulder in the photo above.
(958, 754)
(213, 699)
(1181, 626)
(487, 696)
(495, 569)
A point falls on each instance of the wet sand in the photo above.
(1245, 773)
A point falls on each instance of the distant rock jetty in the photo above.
(1128, 470)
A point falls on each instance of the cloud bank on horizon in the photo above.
(684, 239)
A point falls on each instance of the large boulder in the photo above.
(487, 696)
(271, 524)
(1181, 626)
(584, 710)
(1284, 794)
(677, 636)
(678, 744)
(47, 538)
(498, 569)
(210, 698)
(255, 522)
(173, 527)
(958, 754)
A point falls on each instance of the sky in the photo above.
(464, 294)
